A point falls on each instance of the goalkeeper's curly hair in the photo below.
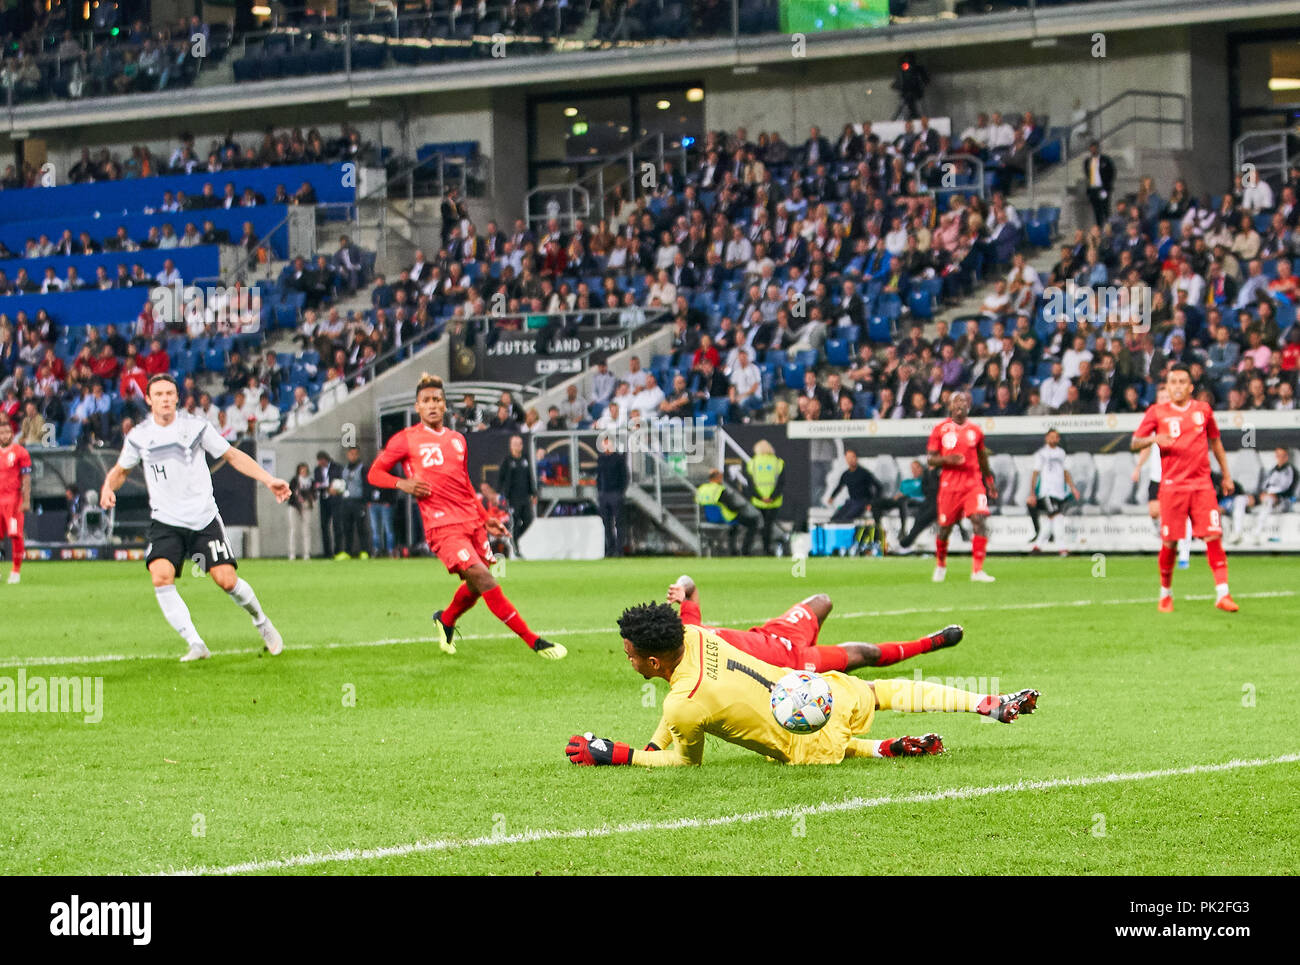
(652, 628)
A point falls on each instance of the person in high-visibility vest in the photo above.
(765, 478)
(735, 511)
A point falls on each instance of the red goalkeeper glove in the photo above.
(592, 751)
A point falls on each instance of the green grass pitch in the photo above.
(456, 764)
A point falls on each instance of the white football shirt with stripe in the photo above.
(1050, 463)
(177, 475)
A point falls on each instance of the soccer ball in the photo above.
(801, 701)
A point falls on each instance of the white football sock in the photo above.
(1166, 591)
(1220, 590)
(177, 613)
(1239, 514)
(1262, 510)
(243, 595)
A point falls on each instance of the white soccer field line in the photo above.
(638, 827)
(51, 661)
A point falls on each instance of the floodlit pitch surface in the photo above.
(1163, 743)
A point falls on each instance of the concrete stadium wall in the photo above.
(1058, 82)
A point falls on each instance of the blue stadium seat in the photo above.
(1285, 312)
(879, 329)
(792, 374)
(718, 409)
(807, 359)
(214, 360)
(837, 352)
(977, 397)
(920, 303)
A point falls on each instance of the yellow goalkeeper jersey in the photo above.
(720, 690)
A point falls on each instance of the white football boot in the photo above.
(198, 651)
(274, 643)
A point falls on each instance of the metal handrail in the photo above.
(1276, 141)
(1092, 120)
(434, 332)
(572, 190)
(651, 318)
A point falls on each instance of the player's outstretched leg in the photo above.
(238, 590)
(174, 610)
(884, 654)
(444, 621)
(1218, 560)
(1168, 552)
(920, 696)
(480, 578)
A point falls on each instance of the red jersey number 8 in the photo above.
(430, 456)
(1175, 428)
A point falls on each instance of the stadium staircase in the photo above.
(666, 498)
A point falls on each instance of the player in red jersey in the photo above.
(956, 447)
(455, 522)
(15, 493)
(790, 640)
(1186, 433)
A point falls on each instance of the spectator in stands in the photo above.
(268, 417)
(347, 264)
(302, 410)
(92, 417)
(602, 382)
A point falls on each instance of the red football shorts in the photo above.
(460, 546)
(11, 520)
(1198, 505)
(793, 638)
(958, 501)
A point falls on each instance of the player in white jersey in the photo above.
(1050, 489)
(1153, 491)
(186, 524)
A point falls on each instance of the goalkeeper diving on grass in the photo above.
(715, 688)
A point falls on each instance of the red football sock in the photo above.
(1168, 554)
(16, 544)
(940, 552)
(894, 652)
(1218, 560)
(464, 598)
(979, 545)
(505, 611)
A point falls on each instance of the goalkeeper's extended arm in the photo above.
(591, 751)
